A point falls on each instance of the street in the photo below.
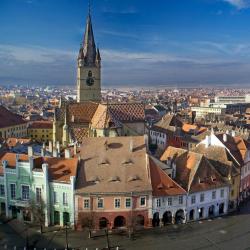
(229, 232)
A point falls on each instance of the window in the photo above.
(55, 198)
(38, 195)
(169, 201)
(232, 193)
(202, 197)
(128, 202)
(2, 193)
(214, 195)
(222, 193)
(193, 200)
(143, 201)
(117, 203)
(65, 199)
(25, 192)
(13, 191)
(158, 202)
(180, 199)
(100, 203)
(86, 203)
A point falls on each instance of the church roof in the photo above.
(128, 112)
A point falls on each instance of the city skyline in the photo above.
(199, 42)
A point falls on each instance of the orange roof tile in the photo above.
(41, 125)
(162, 184)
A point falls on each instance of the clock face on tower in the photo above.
(90, 80)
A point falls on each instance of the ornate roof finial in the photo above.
(89, 8)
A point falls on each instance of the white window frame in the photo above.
(158, 202)
(88, 201)
(65, 198)
(214, 195)
(12, 198)
(119, 201)
(170, 201)
(202, 197)
(180, 200)
(128, 198)
(143, 197)
(193, 196)
(222, 193)
(97, 202)
(55, 197)
(24, 185)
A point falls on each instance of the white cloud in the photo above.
(34, 64)
(239, 4)
(33, 54)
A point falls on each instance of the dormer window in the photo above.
(95, 179)
(103, 161)
(133, 178)
(127, 162)
(114, 179)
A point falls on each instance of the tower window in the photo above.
(90, 73)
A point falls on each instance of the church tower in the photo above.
(89, 67)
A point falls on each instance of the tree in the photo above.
(87, 221)
(37, 209)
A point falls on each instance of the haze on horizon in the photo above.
(142, 43)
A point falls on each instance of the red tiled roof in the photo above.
(11, 158)
(237, 147)
(127, 112)
(12, 142)
(7, 118)
(193, 171)
(162, 184)
(60, 169)
(41, 125)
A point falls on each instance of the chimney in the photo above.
(75, 148)
(233, 133)
(30, 151)
(225, 137)
(67, 153)
(55, 154)
(131, 146)
(50, 146)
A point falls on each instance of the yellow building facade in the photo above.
(41, 131)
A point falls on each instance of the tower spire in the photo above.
(89, 47)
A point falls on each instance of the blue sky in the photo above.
(153, 43)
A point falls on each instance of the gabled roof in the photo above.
(101, 115)
(193, 171)
(168, 122)
(219, 158)
(8, 119)
(127, 112)
(236, 145)
(162, 184)
(110, 166)
(104, 119)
